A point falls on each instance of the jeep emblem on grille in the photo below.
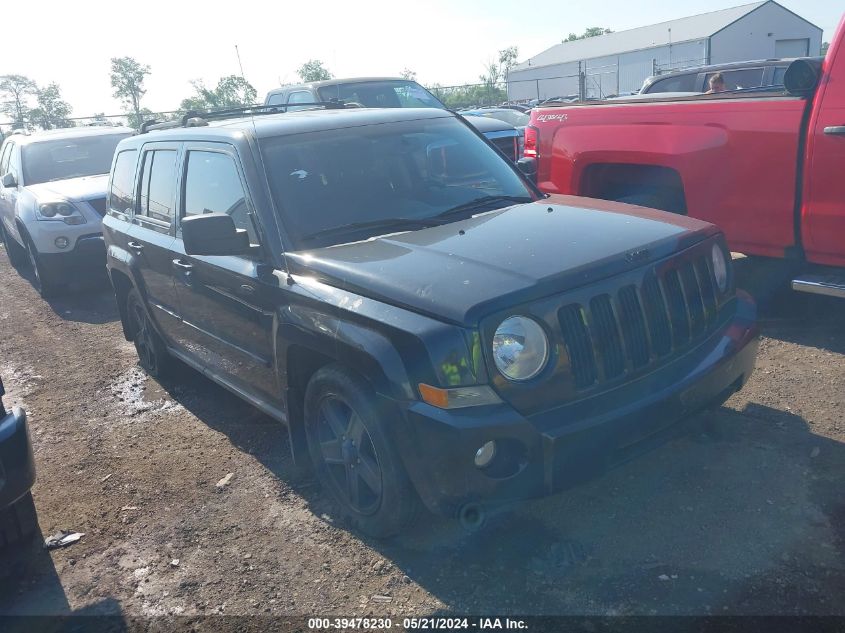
(638, 256)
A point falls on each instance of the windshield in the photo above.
(65, 158)
(513, 117)
(350, 184)
(382, 94)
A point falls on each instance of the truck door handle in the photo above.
(836, 130)
(135, 246)
(184, 266)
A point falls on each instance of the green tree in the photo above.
(409, 74)
(135, 119)
(52, 111)
(825, 46)
(593, 31)
(313, 70)
(497, 71)
(127, 80)
(15, 91)
(232, 91)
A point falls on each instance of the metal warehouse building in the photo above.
(618, 63)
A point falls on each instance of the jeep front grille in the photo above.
(509, 146)
(635, 326)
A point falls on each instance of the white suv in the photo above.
(53, 198)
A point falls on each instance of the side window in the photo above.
(158, 185)
(276, 99)
(738, 79)
(777, 77)
(213, 185)
(300, 96)
(123, 177)
(678, 83)
(5, 157)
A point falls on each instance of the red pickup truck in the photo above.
(765, 166)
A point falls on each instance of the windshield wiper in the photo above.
(480, 204)
(388, 225)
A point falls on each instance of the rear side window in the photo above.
(123, 177)
(158, 186)
(679, 83)
(276, 99)
(213, 185)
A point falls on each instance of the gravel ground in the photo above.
(742, 515)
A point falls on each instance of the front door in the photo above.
(823, 212)
(151, 237)
(8, 195)
(226, 302)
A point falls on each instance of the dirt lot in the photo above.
(745, 514)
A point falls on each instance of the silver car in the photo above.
(52, 201)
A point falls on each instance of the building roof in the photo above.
(694, 27)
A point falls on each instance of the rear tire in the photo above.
(353, 455)
(152, 352)
(18, 523)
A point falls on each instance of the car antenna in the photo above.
(258, 147)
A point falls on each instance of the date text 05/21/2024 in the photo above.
(424, 623)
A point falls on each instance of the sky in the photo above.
(445, 42)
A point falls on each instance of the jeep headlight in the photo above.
(60, 211)
(720, 268)
(520, 348)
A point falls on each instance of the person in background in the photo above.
(717, 84)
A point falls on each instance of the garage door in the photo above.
(792, 48)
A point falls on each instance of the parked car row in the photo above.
(430, 326)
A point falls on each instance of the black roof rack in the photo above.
(193, 118)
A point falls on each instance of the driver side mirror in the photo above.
(802, 76)
(213, 234)
(9, 181)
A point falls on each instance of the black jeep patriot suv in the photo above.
(425, 322)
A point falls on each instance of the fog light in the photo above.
(485, 454)
(62, 242)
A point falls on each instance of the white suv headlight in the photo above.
(61, 211)
(520, 348)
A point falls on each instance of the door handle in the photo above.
(135, 246)
(178, 263)
(246, 289)
(835, 130)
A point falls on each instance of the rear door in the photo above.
(151, 237)
(823, 211)
(226, 301)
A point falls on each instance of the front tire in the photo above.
(18, 523)
(44, 280)
(17, 254)
(152, 352)
(353, 454)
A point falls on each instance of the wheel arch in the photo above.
(614, 181)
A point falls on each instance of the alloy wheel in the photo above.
(143, 339)
(349, 455)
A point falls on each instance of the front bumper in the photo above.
(17, 464)
(88, 254)
(555, 449)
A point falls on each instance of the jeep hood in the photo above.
(72, 189)
(462, 271)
